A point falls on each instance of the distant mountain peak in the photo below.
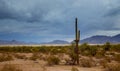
(98, 39)
(57, 42)
(101, 39)
(5, 42)
(117, 35)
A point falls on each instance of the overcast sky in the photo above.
(47, 20)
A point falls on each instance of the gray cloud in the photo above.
(56, 18)
(21, 11)
(5, 10)
(113, 12)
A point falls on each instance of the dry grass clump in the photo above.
(100, 54)
(117, 57)
(113, 67)
(20, 56)
(85, 62)
(9, 67)
(74, 69)
(5, 57)
(52, 60)
(104, 63)
(34, 57)
(73, 58)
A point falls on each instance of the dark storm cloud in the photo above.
(54, 19)
(114, 9)
(114, 12)
(5, 11)
(9, 10)
(112, 16)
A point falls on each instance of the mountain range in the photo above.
(57, 42)
(98, 39)
(4, 42)
(101, 39)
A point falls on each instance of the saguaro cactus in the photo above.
(77, 39)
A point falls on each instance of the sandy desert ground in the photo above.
(41, 65)
(29, 65)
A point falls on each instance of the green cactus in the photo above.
(77, 40)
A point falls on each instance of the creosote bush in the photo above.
(52, 60)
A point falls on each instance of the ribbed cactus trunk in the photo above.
(77, 39)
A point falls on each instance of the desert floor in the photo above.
(41, 65)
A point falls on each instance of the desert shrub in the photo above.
(70, 51)
(73, 56)
(15, 49)
(108, 59)
(84, 47)
(88, 50)
(87, 62)
(117, 57)
(10, 68)
(115, 48)
(107, 46)
(35, 49)
(93, 50)
(100, 54)
(29, 49)
(57, 50)
(54, 51)
(113, 67)
(74, 69)
(20, 56)
(103, 63)
(85, 53)
(34, 56)
(44, 49)
(5, 57)
(52, 60)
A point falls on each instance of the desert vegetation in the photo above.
(9, 67)
(104, 57)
